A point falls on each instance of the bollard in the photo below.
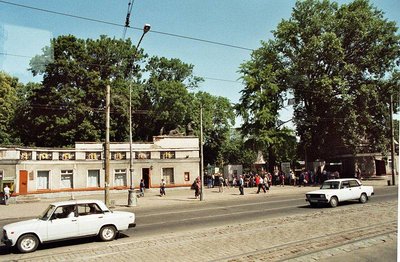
(132, 198)
(388, 182)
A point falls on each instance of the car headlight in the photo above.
(322, 196)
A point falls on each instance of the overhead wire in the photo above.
(119, 25)
(99, 65)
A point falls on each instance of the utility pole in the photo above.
(107, 151)
(201, 155)
(392, 140)
(132, 200)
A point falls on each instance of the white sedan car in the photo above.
(334, 191)
(67, 220)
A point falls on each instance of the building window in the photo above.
(66, 156)
(187, 176)
(43, 179)
(167, 155)
(118, 155)
(120, 177)
(44, 156)
(93, 178)
(168, 175)
(67, 179)
(93, 156)
(142, 155)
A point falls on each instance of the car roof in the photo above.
(80, 201)
(342, 179)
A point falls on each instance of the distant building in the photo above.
(30, 170)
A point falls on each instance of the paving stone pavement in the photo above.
(272, 239)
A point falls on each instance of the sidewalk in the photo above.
(152, 199)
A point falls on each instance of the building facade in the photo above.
(45, 170)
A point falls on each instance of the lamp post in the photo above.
(201, 155)
(131, 196)
(107, 151)
(392, 141)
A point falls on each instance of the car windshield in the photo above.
(330, 185)
(47, 213)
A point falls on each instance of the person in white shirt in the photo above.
(162, 188)
(261, 185)
(6, 191)
(241, 185)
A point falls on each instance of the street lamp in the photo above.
(132, 196)
(201, 155)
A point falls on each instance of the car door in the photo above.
(345, 191)
(63, 223)
(90, 219)
(355, 189)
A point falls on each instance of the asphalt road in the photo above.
(203, 215)
(165, 220)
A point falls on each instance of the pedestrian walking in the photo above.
(162, 188)
(6, 191)
(261, 185)
(282, 178)
(227, 183)
(221, 184)
(142, 186)
(241, 185)
(197, 185)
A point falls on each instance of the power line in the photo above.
(99, 65)
(120, 25)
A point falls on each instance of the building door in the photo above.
(23, 182)
(146, 176)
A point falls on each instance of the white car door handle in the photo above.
(101, 217)
(73, 220)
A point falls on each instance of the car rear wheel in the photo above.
(333, 202)
(107, 233)
(363, 198)
(27, 243)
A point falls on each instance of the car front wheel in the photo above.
(333, 202)
(27, 243)
(107, 233)
(363, 198)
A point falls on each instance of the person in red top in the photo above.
(257, 180)
(282, 178)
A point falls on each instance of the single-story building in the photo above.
(32, 170)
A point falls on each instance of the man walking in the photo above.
(162, 188)
(261, 185)
(241, 185)
(6, 191)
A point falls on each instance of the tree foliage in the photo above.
(69, 104)
(9, 89)
(335, 60)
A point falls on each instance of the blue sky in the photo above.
(242, 23)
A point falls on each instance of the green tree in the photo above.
(235, 151)
(9, 89)
(218, 119)
(262, 99)
(70, 105)
(336, 62)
